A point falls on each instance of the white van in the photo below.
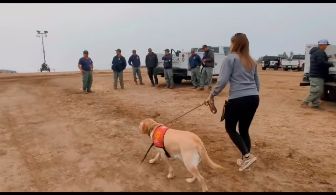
(180, 62)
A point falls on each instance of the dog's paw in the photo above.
(152, 161)
(170, 175)
(191, 179)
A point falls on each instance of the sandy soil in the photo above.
(54, 138)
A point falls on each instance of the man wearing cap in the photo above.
(194, 66)
(168, 69)
(85, 65)
(134, 61)
(118, 66)
(208, 62)
(319, 70)
(151, 64)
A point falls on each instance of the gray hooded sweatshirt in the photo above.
(242, 82)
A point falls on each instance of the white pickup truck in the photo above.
(180, 62)
(297, 62)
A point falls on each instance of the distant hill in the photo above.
(7, 71)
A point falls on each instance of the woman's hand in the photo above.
(211, 103)
(209, 99)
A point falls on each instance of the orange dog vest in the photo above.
(158, 136)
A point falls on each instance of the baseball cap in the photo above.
(323, 42)
(118, 50)
(166, 50)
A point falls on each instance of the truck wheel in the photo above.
(329, 93)
(285, 69)
(177, 80)
(332, 94)
(325, 95)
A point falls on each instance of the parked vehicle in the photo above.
(296, 62)
(180, 62)
(44, 67)
(271, 62)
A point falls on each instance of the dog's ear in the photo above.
(147, 125)
(144, 126)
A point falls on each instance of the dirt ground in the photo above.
(54, 138)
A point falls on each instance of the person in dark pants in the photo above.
(194, 66)
(134, 61)
(118, 66)
(240, 70)
(318, 73)
(151, 64)
(207, 70)
(85, 65)
(168, 69)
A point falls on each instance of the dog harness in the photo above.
(158, 137)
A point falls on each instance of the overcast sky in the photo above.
(102, 28)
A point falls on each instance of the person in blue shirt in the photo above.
(118, 66)
(195, 62)
(85, 65)
(134, 61)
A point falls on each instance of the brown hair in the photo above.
(240, 45)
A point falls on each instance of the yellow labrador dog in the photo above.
(183, 145)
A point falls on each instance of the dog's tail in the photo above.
(207, 159)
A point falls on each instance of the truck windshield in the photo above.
(214, 49)
(298, 57)
(270, 58)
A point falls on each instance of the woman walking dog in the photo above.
(240, 70)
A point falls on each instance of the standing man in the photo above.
(85, 65)
(134, 61)
(151, 63)
(208, 61)
(168, 69)
(319, 70)
(194, 66)
(118, 66)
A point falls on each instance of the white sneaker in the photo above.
(246, 162)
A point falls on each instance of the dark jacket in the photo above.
(194, 61)
(167, 61)
(118, 63)
(151, 60)
(319, 65)
(134, 60)
(210, 59)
